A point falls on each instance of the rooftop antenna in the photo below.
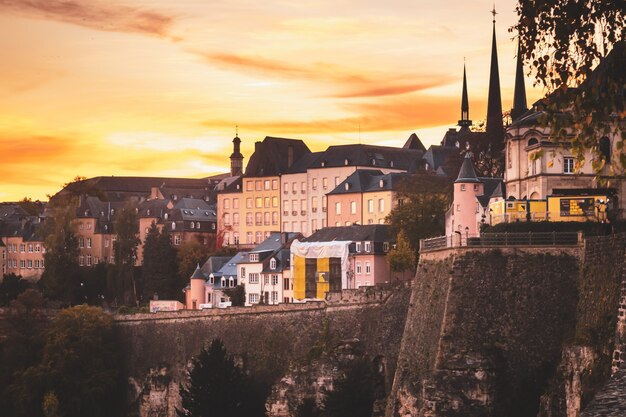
(236, 130)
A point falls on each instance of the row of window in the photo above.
(258, 202)
(26, 264)
(359, 268)
(32, 248)
(260, 219)
(81, 226)
(255, 297)
(81, 242)
(260, 185)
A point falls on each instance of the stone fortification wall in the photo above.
(484, 331)
(158, 347)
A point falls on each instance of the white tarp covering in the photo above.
(316, 250)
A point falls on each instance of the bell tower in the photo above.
(236, 158)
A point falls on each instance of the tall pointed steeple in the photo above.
(519, 98)
(465, 121)
(236, 158)
(495, 128)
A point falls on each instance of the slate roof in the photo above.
(305, 162)
(153, 208)
(368, 180)
(467, 173)
(273, 242)
(355, 233)
(197, 274)
(271, 157)
(369, 156)
(413, 142)
(12, 211)
(492, 187)
(282, 261)
(123, 188)
(214, 264)
(440, 156)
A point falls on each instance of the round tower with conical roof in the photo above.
(196, 293)
(467, 188)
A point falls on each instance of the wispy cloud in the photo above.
(398, 113)
(351, 83)
(98, 15)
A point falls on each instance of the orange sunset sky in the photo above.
(155, 88)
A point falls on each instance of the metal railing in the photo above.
(502, 239)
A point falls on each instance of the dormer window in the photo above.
(173, 225)
(381, 183)
(193, 225)
(166, 216)
(273, 263)
(112, 212)
(197, 225)
(347, 186)
(223, 282)
(358, 247)
(532, 141)
(346, 161)
(231, 282)
(391, 164)
(254, 257)
(148, 212)
(323, 164)
(368, 246)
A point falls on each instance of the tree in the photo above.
(237, 295)
(159, 269)
(422, 203)
(121, 278)
(21, 347)
(563, 41)
(218, 387)
(353, 395)
(78, 372)
(11, 287)
(401, 258)
(61, 278)
(190, 255)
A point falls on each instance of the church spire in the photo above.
(495, 129)
(519, 98)
(465, 121)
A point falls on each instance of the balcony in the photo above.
(286, 213)
(302, 191)
(324, 209)
(294, 213)
(314, 209)
(303, 213)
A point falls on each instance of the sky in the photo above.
(157, 88)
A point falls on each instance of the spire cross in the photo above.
(236, 130)
(494, 13)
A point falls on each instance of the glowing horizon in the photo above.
(155, 88)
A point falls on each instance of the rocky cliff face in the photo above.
(516, 332)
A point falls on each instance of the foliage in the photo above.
(190, 255)
(33, 208)
(11, 287)
(94, 283)
(353, 395)
(401, 258)
(159, 266)
(422, 204)
(121, 279)
(218, 387)
(237, 295)
(61, 278)
(563, 41)
(308, 408)
(21, 345)
(79, 365)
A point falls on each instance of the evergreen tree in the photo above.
(190, 254)
(160, 268)
(353, 395)
(61, 278)
(218, 388)
(121, 279)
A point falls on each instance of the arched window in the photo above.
(273, 263)
(605, 149)
(173, 225)
(193, 225)
(231, 282)
(532, 141)
(223, 282)
(197, 225)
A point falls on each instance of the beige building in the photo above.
(22, 249)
